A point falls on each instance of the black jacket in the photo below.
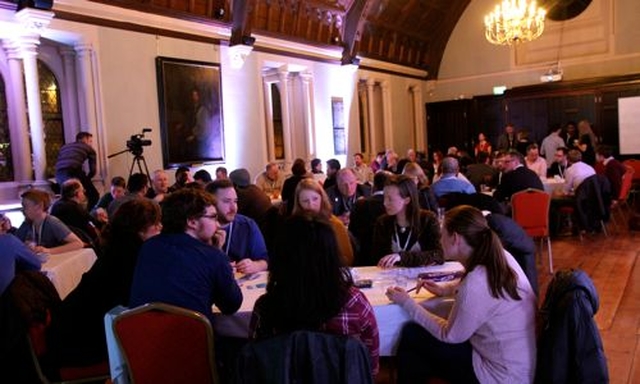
(361, 224)
(593, 202)
(304, 357)
(340, 204)
(517, 180)
(570, 349)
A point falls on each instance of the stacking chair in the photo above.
(530, 209)
(162, 343)
(621, 200)
(635, 182)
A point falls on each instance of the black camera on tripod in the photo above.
(136, 143)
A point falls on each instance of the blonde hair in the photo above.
(415, 170)
(326, 210)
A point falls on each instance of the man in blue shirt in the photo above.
(243, 241)
(450, 182)
(180, 266)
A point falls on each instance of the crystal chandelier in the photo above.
(514, 21)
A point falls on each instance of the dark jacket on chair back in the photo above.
(593, 199)
(570, 349)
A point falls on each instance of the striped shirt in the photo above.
(73, 155)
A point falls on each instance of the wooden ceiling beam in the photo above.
(354, 21)
(241, 22)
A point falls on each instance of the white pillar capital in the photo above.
(370, 82)
(34, 21)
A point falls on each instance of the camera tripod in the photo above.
(138, 160)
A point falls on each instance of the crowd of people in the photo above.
(183, 244)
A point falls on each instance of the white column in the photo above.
(373, 134)
(85, 86)
(286, 117)
(271, 148)
(70, 97)
(36, 125)
(33, 22)
(386, 111)
(418, 118)
(309, 118)
(17, 111)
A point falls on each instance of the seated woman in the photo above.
(426, 197)
(489, 336)
(42, 232)
(310, 198)
(406, 235)
(309, 289)
(77, 329)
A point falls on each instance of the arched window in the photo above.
(6, 163)
(51, 115)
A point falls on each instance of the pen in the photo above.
(412, 289)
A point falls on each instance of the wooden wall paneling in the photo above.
(530, 114)
(448, 125)
(488, 117)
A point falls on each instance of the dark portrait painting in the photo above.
(190, 111)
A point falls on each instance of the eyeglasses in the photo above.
(212, 217)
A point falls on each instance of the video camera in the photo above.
(137, 141)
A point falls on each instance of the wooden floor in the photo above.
(612, 263)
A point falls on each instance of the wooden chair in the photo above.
(530, 209)
(635, 182)
(162, 343)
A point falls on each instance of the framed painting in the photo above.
(190, 101)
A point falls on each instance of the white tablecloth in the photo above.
(65, 269)
(390, 317)
(552, 185)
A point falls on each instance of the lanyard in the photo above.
(36, 239)
(228, 242)
(406, 243)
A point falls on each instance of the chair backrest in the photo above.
(635, 164)
(530, 209)
(304, 357)
(569, 347)
(162, 343)
(627, 181)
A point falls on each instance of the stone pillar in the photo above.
(17, 110)
(70, 105)
(386, 112)
(418, 118)
(309, 118)
(85, 87)
(287, 129)
(373, 134)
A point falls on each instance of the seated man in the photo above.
(243, 242)
(534, 162)
(481, 172)
(42, 232)
(117, 189)
(203, 177)
(449, 182)
(271, 180)
(344, 194)
(183, 177)
(607, 165)
(517, 177)
(560, 163)
(71, 209)
(576, 173)
(137, 187)
(159, 186)
(179, 267)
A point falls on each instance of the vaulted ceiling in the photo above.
(411, 33)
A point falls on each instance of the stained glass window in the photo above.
(51, 115)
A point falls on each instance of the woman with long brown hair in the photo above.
(489, 335)
(406, 235)
(311, 198)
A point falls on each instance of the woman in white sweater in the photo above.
(489, 336)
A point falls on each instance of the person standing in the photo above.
(507, 140)
(551, 143)
(71, 160)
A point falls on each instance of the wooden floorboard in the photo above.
(612, 262)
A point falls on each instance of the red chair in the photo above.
(163, 343)
(530, 209)
(635, 182)
(70, 374)
(621, 201)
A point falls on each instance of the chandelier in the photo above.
(514, 21)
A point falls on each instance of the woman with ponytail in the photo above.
(489, 335)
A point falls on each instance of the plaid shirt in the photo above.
(356, 319)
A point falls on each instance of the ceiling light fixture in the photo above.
(514, 21)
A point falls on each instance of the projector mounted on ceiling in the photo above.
(553, 74)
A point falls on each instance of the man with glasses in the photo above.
(179, 266)
(242, 241)
(516, 178)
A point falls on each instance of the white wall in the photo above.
(602, 41)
